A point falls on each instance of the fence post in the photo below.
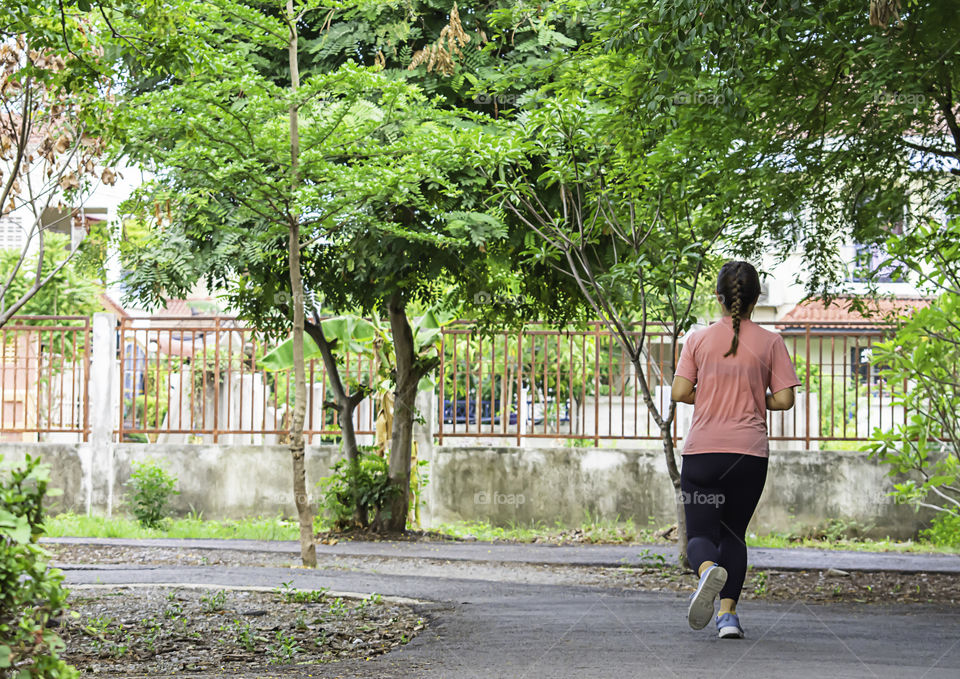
(806, 388)
(423, 432)
(102, 406)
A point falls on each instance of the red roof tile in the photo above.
(188, 307)
(840, 315)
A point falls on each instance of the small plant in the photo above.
(760, 583)
(151, 488)
(173, 611)
(214, 602)
(243, 635)
(31, 594)
(373, 599)
(337, 608)
(283, 650)
(356, 493)
(944, 530)
(650, 559)
(296, 596)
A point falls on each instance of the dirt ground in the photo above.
(138, 632)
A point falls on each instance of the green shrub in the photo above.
(30, 594)
(151, 488)
(944, 531)
(368, 481)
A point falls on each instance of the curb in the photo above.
(401, 600)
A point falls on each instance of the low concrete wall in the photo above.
(507, 485)
(221, 481)
(501, 484)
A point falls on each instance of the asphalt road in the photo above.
(487, 629)
(580, 555)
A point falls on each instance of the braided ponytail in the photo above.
(738, 286)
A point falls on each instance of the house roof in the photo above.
(199, 306)
(113, 306)
(839, 315)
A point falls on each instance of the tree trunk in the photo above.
(406, 380)
(308, 550)
(345, 404)
(674, 472)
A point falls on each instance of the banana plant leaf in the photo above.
(354, 333)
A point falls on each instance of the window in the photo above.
(11, 233)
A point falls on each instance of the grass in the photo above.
(259, 528)
(590, 530)
(858, 545)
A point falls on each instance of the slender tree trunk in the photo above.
(345, 404)
(308, 549)
(668, 452)
(666, 436)
(407, 377)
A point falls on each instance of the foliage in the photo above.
(923, 453)
(56, 104)
(151, 488)
(367, 481)
(851, 113)
(31, 594)
(944, 531)
(68, 293)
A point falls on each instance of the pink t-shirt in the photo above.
(730, 409)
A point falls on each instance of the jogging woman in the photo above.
(733, 372)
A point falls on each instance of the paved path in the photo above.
(580, 555)
(481, 628)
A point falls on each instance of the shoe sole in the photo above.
(700, 611)
(730, 633)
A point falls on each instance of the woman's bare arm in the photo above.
(782, 400)
(683, 390)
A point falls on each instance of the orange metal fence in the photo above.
(581, 385)
(202, 378)
(44, 375)
(191, 376)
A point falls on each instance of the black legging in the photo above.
(720, 493)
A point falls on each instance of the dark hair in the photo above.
(738, 286)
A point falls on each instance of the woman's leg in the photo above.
(703, 520)
(741, 485)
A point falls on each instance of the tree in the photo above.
(859, 110)
(404, 244)
(50, 151)
(69, 292)
(923, 452)
(243, 184)
(372, 175)
(633, 235)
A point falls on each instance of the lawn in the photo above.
(589, 532)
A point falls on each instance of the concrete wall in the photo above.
(501, 484)
(221, 481)
(803, 489)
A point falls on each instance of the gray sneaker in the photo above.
(728, 626)
(700, 611)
